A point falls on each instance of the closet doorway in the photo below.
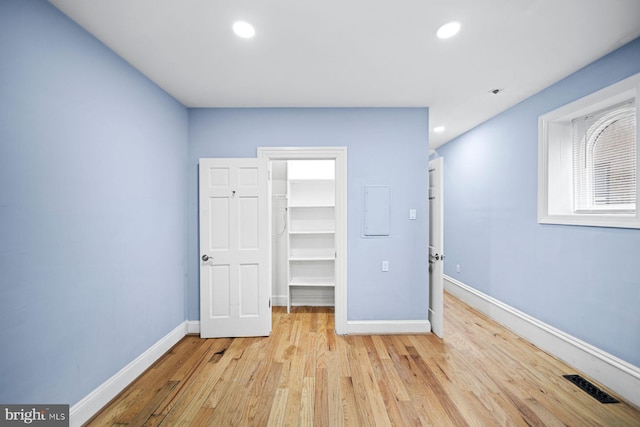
(308, 195)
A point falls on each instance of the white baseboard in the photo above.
(313, 296)
(279, 300)
(313, 304)
(86, 408)
(619, 376)
(379, 327)
(193, 327)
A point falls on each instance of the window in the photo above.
(604, 160)
(588, 160)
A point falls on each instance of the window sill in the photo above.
(599, 220)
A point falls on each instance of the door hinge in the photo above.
(269, 302)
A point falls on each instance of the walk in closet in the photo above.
(304, 232)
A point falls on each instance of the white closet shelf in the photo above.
(312, 205)
(328, 282)
(311, 230)
(311, 179)
(312, 257)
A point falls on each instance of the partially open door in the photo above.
(235, 282)
(436, 247)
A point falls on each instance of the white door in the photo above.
(235, 282)
(436, 246)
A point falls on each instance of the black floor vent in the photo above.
(591, 390)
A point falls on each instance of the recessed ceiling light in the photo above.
(448, 30)
(243, 29)
(439, 129)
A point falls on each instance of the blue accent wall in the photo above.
(582, 280)
(92, 208)
(386, 146)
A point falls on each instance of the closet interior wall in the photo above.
(279, 230)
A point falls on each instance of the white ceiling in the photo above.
(360, 53)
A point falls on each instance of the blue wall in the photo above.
(385, 146)
(582, 280)
(95, 222)
(92, 208)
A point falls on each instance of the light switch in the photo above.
(385, 265)
(412, 214)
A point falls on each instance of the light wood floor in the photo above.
(479, 375)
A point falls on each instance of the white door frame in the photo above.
(339, 154)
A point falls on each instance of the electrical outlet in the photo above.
(385, 265)
(457, 268)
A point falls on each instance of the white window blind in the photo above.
(604, 157)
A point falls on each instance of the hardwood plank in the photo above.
(277, 410)
(295, 378)
(189, 402)
(321, 404)
(380, 347)
(123, 406)
(393, 381)
(236, 398)
(348, 403)
(157, 398)
(360, 384)
(261, 395)
(374, 396)
(307, 402)
(396, 417)
(480, 374)
(343, 357)
(334, 396)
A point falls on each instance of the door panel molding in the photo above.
(235, 229)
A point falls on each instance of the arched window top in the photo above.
(605, 160)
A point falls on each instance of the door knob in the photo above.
(436, 257)
(206, 257)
